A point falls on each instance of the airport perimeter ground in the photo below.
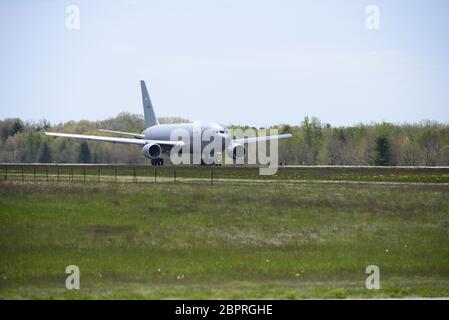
(291, 238)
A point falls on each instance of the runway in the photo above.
(222, 174)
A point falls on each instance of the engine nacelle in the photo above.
(152, 150)
(236, 151)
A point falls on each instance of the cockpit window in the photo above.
(222, 131)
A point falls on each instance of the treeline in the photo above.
(383, 144)
(313, 142)
(25, 142)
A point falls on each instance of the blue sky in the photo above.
(242, 62)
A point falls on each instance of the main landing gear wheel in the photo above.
(214, 163)
(157, 162)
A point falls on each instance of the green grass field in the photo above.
(228, 240)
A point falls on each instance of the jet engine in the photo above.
(152, 150)
(236, 151)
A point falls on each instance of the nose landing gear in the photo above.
(157, 162)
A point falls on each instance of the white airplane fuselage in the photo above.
(173, 132)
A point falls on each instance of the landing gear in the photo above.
(213, 163)
(157, 162)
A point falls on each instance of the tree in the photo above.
(383, 151)
(10, 127)
(84, 153)
(45, 154)
(30, 145)
(430, 145)
(312, 135)
(409, 152)
(285, 129)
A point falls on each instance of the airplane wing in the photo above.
(263, 138)
(115, 139)
(135, 135)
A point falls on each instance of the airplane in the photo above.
(156, 138)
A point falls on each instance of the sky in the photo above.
(250, 62)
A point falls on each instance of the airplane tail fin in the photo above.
(148, 111)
